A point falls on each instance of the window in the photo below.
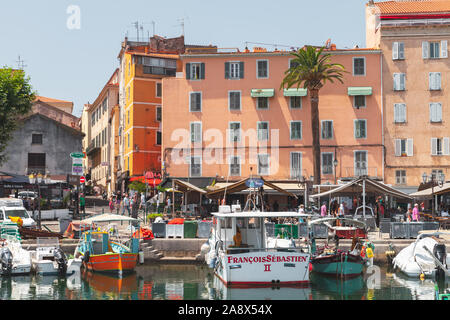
(440, 146)
(93, 118)
(158, 138)
(435, 112)
(327, 163)
(398, 51)
(234, 100)
(36, 138)
(158, 90)
(295, 102)
(128, 163)
(359, 102)
(327, 129)
(434, 49)
(195, 102)
(262, 69)
(128, 118)
(296, 165)
(262, 103)
(436, 173)
(360, 129)
(105, 105)
(399, 81)
(435, 80)
(263, 131)
(235, 131)
(36, 162)
(359, 66)
(195, 71)
(404, 147)
(360, 163)
(399, 113)
(263, 164)
(293, 63)
(158, 114)
(195, 166)
(196, 131)
(400, 176)
(235, 166)
(296, 130)
(234, 70)
(128, 140)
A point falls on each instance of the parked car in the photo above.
(27, 194)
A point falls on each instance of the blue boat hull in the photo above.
(340, 265)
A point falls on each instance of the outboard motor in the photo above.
(6, 259)
(440, 253)
(61, 259)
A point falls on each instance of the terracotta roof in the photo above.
(45, 99)
(405, 7)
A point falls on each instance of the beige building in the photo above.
(413, 37)
(99, 145)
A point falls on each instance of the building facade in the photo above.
(98, 135)
(226, 116)
(413, 37)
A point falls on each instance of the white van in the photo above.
(11, 207)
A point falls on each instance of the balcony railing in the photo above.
(92, 149)
(352, 172)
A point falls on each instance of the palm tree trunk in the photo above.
(314, 98)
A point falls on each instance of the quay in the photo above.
(187, 251)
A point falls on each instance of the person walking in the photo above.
(415, 213)
(111, 204)
(126, 205)
(134, 206)
(82, 204)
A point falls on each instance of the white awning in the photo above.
(427, 193)
(107, 217)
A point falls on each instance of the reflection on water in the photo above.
(188, 282)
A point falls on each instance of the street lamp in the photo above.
(37, 179)
(335, 164)
(440, 179)
(301, 181)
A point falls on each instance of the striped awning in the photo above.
(263, 93)
(360, 91)
(294, 92)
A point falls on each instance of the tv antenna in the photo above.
(182, 24)
(138, 26)
(154, 27)
(20, 63)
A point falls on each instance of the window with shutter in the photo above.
(359, 66)
(296, 165)
(234, 100)
(196, 132)
(360, 163)
(234, 70)
(195, 102)
(435, 80)
(235, 166)
(327, 163)
(235, 131)
(359, 102)
(295, 102)
(262, 71)
(435, 112)
(263, 131)
(327, 129)
(400, 176)
(360, 129)
(399, 113)
(195, 166)
(296, 130)
(263, 164)
(262, 103)
(434, 52)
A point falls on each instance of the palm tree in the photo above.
(312, 69)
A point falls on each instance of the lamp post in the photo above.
(433, 179)
(301, 181)
(335, 164)
(36, 179)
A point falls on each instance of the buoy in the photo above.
(310, 267)
(422, 276)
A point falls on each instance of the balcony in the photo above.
(92, 149)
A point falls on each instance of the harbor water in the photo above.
(197, 282)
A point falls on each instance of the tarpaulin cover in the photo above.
(177, 221)
(144, 233)
(74, 229)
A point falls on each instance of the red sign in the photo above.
(82, 179)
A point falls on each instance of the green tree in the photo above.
(312, 68)
(16, 99)
(137, 186)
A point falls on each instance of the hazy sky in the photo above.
(74, 63)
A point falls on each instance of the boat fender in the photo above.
(363, 252)
(369, 253)
(86, 256)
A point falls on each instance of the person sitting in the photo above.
(237, 238)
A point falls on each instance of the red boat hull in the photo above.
(112, 263)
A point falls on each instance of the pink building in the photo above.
(226, 116)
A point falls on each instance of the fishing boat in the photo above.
(101, 251)
(341, 263)
(425, 257)
(48, 259)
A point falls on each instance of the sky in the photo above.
(69, 48)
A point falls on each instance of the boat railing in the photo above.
(271, 250)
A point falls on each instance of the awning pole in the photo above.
(364, 197)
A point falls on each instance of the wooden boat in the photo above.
(340, 263)
(100, 253)
(28, 233)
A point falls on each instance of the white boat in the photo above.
(427, 256)
(14, 259)
(258, 260)
(49, 259)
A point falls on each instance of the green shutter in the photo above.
(202, 71)
(241, 70)
(227, 70)
(360, 91)
(188, 71)
(294, 92)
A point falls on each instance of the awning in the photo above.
(293, 187)
(293, 92)
(427, 193)
(263, 93)
(360, 91)
(354, 187)
(151, 182)
(184, 186)
(108, 218)
(241, 186)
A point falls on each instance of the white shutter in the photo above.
(394, 50)
(396, 112)
(402, 112)
(431, 80)
(446, 146)
(425, 47)
(410, 148)
(433, 146)
(439, 112)
(398, 147)
(401, 50)
(432, 112)
(402, 81)
(444, 52)
(396, 81)
(437, 79)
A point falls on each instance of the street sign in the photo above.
(82, 179)
(79, 155)
(254, 183)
